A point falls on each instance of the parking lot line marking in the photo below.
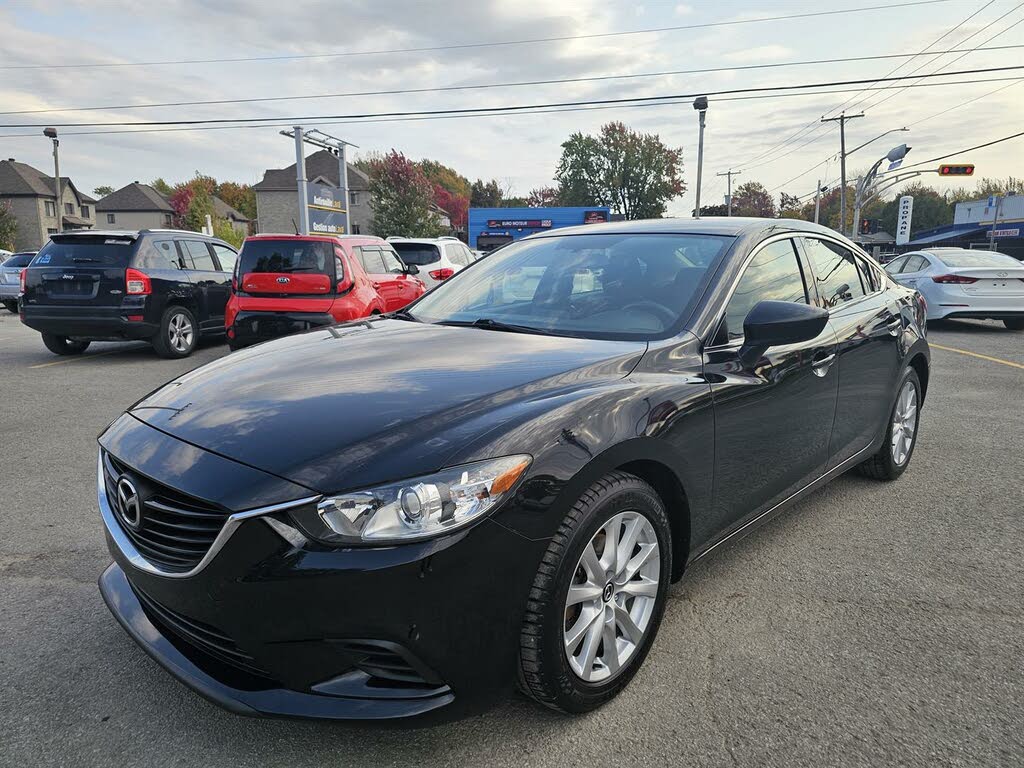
(81, 357)
(975, 354)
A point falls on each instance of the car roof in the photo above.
(313, 236)
(427, 240)
(131, 234)
(733, 226)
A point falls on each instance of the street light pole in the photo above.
(729, 174)
(817, 200)
(701, 105)
(59, 204)
(864, 185)
(843, 117)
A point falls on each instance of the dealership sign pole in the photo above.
(300, 180)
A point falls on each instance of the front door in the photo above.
(773, 419)
(867, 323)
(213, 287)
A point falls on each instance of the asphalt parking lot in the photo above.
(873, 624)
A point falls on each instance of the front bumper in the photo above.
(275, 625)
(93, 323)
(254, 327)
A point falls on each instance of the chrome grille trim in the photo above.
(136, 558)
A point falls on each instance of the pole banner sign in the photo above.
(326, 209)
(906, 211)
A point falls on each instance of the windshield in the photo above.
(977, 259)
(419, 254)
(19, 260)
(597, 286)
(85, 250)
(305, 256)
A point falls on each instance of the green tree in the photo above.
(931, 209)
(752, 199)
(8, 226)
(790, 206)
(241, 197)
(453, 181)
(543, 197)
(162, 187)
(485, 194)
(989, 186)
(103, 190)
(222, 228)
(402, 198)
(199, 207)
(634, 173)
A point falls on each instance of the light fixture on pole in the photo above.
(864, 190)
(701, 105)
(51, 133)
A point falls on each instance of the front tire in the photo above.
(62, 345)
(598, 597)
(178, 334)
(1013, 323)
(893, 457)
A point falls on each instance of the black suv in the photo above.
(163, 286)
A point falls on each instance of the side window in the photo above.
(894, 266)
(914, 264)
(468, 255)
(197, 255)
(371, 260)
(225, 256)
(868, 278)
(774, 274)
(392, 263)
(166, 255)
(835, 271)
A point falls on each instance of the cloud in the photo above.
(760, 54)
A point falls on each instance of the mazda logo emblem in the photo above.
(129, 506)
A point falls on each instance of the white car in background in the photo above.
(437, 258)
(957, 282)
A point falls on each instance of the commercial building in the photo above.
(491, 228)
(277, 206)
(975, 226)
(32, 198)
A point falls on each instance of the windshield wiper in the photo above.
(404, 314)
(491, 324)
(83, 259)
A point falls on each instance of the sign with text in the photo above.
(595, 217)
(519, 223)
(905, 212)
(1006, 233)
(327, 212)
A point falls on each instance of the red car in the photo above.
(288, 283)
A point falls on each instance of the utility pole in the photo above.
(729, 174)
(701, 105)
(301, 181)
(52, 133)
(843, 117)
(817, 200)
(995, 224)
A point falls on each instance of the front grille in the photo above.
(201, 636)
(176, 530)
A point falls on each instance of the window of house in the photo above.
(353, 198)
(355, 229)
(111, 219)
(69, 209)
(835, 271)
(51, 231)
(773, 275)
(51, 208)
(85, 211)
(168, 220)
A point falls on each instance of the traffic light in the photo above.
(967, 169)
(868, 226)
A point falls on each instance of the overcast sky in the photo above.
(521, 150)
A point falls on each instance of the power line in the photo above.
(961, 151)
(508, 108)
(483, 86)
(541, 111)
(463, 46)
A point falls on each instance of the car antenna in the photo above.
(296, 226)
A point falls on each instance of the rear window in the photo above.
(419, 254)
(977, 259)
(79, 250)
(19, 260)
(306, 256)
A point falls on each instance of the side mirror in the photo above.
(412, 269)
(773, 323)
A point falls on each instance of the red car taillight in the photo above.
(137, 283)
(442, 274)
(954, 279)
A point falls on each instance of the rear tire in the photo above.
(894, 455)
(178, 334)
(62, 345)
(1013, 323)
(12, 306)
(554, 668)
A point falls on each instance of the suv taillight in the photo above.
(442, 274)
(137, 283)
(21, 279)
(954, 279)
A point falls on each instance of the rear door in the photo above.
(408, 287)
(384, 283)
(79, 271)
(212, 286)
(866, 320)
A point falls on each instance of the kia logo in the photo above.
(283, 280)
(129, 506)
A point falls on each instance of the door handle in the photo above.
(376, 285)
(895, 325)
(822, 361)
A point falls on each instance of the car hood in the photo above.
(353, 405)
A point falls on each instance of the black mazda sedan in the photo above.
(497, 485)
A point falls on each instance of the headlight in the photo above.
(414, 509)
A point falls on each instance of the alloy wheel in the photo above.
(180, 332)
(904, 423)
(612, 597)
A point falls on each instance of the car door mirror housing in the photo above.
(412, 269)
(773, 323)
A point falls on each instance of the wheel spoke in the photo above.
(592, 565)
(590, 645)
(640, 588)
(612, 530)
(626, 544)
(629, 627)
(634, 565)
(610, 657)
(583, 593)
(579, 629)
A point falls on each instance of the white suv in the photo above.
(437, 258)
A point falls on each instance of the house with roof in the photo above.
(33, 201)
(239, 222)
(277, 206)
(133, 207)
